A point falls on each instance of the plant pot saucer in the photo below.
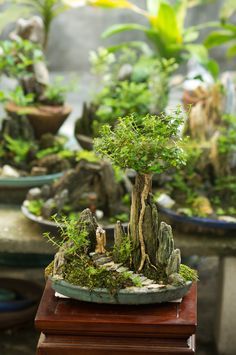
(209, 223)
(43, 118)
(54, 226)
(29, 181)
(129, 296)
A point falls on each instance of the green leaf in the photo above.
(217, 38)
(166, 24)
(132, 44)
(213, 68)
(153, 6)
(231, 51)
(115, 29)
(181, 10)
(198, 51)
(190, 36)
(227, 9)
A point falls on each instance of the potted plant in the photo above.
(201, 195)
(128, 82)
(143, 266)
(106, 191)
(42, 103)
(169, 39)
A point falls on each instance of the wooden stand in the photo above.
(70, 327)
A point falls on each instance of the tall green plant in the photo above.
(226, 31)
(166, 31)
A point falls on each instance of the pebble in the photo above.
(8, 171)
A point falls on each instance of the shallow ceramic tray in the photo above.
(204, 222)
(46, 223)
(29, 181)
(130, 296)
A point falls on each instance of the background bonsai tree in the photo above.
(129, 81)
(147, 144)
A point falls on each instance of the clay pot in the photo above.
(85, 142)
(44, 119)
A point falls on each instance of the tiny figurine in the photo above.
(101, 241)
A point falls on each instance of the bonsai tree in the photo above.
(130, 81)
(147, 144)
(206, 186)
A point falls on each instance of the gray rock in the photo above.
(8, 171)
(125, 72)
(166, 244)
(176, 279)
(173, 263)
(61, 198)
(49, 208)
(46, 191)
(34, 194)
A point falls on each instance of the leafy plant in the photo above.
(69, 232)
(35, 207)
(226, 31)
(18, 57)
(166, 29)
(18, 147)
(144, 90)
(19, 97)
(87, 155)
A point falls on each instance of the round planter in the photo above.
(196, 224)
(43, 118)
(129, 296)
(23, 308)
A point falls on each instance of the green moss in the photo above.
(158, 274)
(81, 271)
(87, 155)
(187, 273)
(35, 207)
(49, 269)
(123, 252)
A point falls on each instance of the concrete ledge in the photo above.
(19, 235)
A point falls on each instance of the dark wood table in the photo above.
(70, 327)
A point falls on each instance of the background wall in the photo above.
(76, 32)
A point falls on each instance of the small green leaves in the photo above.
(144, 143)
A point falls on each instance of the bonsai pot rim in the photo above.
(45, 222)
(200, 221)
(124, 296)
(29, 181)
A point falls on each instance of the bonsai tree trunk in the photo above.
(143, 226)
